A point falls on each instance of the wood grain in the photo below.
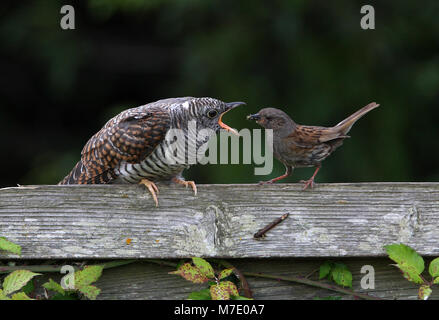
(333, 220)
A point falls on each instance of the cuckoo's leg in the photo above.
(310, 182)
(152, 189)
(287, 173)
(186, 183)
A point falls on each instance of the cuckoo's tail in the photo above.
(76, 176)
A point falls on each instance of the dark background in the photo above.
(309, 58)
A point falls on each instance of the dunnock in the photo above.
(297, 145)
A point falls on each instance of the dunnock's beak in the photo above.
(255, 117)
(230, 106)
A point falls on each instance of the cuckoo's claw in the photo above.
(152, 189)
(186, 184)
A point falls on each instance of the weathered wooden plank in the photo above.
(354, 219)
(148, 281)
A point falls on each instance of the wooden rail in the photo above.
(119, 221)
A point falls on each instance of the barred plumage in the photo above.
(132, 147)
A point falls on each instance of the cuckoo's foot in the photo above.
(152, 189)
(186, 183)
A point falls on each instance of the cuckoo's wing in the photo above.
(129, 137)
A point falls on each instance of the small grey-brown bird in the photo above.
(133, 146)
(297, 145)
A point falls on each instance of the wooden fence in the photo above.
(341, 222)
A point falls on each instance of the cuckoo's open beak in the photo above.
(230, 106)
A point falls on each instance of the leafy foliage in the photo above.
(225, 273)
(91, 292)
(191, 273)
(424, 292)
(83, 280)
(200, 295)
(412, 265)
(204, 267)
(338, 272)
(21, 296)
(9, 246)
(408, 261)
(325, 268)
(15, 281)
(53, 286)
(223, 290)
(434, 268)
(201, 271)
(87, 276)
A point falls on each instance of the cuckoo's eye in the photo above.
(212, 113)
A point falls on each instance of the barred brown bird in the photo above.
(133, 147)
(296, 145)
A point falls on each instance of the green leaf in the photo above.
(434, 268)
(29, 287)
(325, 268)
(412, 277)
(408, 260)
(219, 293)
(87, 276)
(424, 292)
(341, 275)
(9, 246)
(3, 296)
(204, 267)
(230, 287)
(340, 265)
(20, 296)
(225, 273)
(16, 280)
(91, 292)
(200, 295)
(436, 280)
(53, 286)
(191, 273)
(223, 290)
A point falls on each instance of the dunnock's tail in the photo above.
(346, 125)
